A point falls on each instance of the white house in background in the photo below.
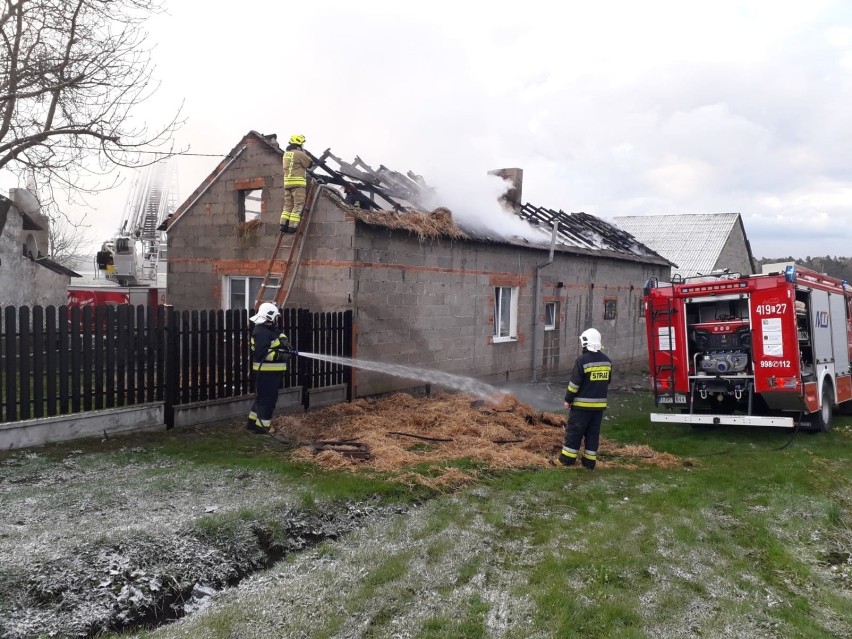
(698, 243)
(27, 277)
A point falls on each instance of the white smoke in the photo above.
(474, 200)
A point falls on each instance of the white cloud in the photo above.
(613, 107)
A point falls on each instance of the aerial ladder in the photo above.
(132, 257)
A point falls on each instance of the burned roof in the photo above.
(409, 198)
(373, 189)
(581, 230)
(384, 197)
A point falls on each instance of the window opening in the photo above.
(250, 204)
(505, 313)
(243, 290)
(550, 316)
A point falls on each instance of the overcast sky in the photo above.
(612, 108)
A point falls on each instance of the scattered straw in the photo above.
(438, 223)
(247, 229)
(509, 435)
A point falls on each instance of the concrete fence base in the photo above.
(114, 421)
(100, 423)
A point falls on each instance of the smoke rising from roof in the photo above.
(474, 200)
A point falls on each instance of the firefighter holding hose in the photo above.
(270, 351)
(585, 398)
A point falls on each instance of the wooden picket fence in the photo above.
(67, 359)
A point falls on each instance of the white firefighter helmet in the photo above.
(591, 340)
(267, 312)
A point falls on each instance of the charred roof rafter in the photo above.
(575, 229)
(362, 184)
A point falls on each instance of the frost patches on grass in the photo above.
(94, 497)
(697, 592)
(391, 589)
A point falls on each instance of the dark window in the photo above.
(610, 308)
(550, 314)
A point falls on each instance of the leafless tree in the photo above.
(68, 242)
(71, 73)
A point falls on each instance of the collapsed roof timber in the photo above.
(384, 189)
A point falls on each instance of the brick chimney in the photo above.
(512, 197)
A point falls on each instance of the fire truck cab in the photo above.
(771, 349)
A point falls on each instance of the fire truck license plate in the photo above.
(667, 399)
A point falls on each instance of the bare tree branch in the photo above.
(68, 240)
(71, 74)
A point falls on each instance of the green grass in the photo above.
(739, 540)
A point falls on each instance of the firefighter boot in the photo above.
(588, 464)
(565, 460)
(259, 430)
(285, 226)
(253, 427)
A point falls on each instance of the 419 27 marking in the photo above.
(771, 309)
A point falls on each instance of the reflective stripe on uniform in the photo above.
(269, 367)
(570, 452)
(590, 454)
(289, 178)
(573, 388)
(596, 366)
(586, 402)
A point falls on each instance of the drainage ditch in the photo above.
(155, 579)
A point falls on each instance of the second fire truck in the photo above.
(771, 349)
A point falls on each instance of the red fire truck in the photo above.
(758, 350)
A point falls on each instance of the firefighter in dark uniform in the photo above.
(270, 351)
(585, 397)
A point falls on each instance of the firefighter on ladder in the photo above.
(585, 397)
(296, 164)
(270, 351)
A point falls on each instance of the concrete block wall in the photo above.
(586, 283)
(735, 254)
(420, 302)
(430, 305)
(324, 280)
(204, 243)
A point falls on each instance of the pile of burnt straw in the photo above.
(416, 439)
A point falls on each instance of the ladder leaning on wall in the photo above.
(287, 275)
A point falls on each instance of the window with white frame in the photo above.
(249, 204)
(505, 313)
(551, 311)
(243, 290)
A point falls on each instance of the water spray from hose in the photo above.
(448, 380)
